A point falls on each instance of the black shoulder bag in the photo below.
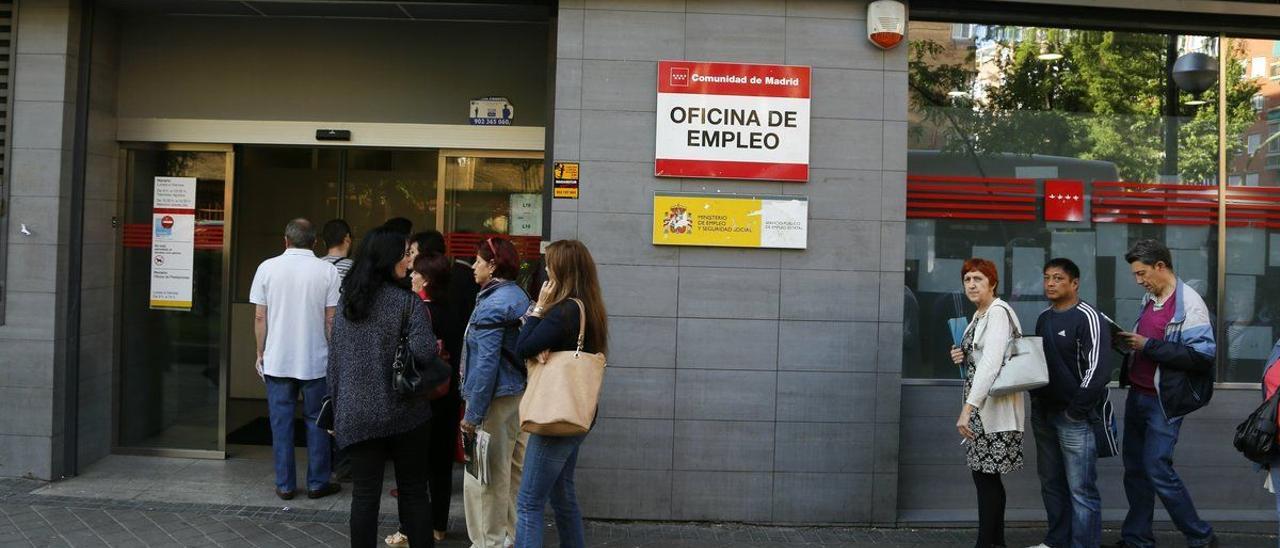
(1256, 436)
(406, 377)
(410, 378)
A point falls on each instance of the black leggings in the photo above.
(408, 452)
(443, 446)
(991, 502)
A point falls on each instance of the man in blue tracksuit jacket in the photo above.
(1169, 373)
(1068, 413)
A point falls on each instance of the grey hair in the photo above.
(1149, 252)
(300, 233)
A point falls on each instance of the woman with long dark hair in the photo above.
(553, 326)
(492, 384)
(373, 422)
(429, 280)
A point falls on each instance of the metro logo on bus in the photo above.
(732, 121)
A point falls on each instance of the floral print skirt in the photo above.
(994, 452)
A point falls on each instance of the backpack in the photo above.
(1256, 436)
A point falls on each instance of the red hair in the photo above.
(502, 253)
(984, 267)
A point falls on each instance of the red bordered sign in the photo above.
(732, 121)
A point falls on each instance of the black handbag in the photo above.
(1256, 436)
(406, 378)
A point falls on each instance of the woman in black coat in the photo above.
(372, 422)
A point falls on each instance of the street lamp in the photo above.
(1195, 73)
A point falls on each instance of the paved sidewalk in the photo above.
(122, 503)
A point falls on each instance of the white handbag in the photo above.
(1024, 367)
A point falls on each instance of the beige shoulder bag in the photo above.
(563, 391)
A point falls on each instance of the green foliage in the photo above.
(1102, 101)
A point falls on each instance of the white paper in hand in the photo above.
(478, 458)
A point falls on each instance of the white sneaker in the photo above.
(1041, 545)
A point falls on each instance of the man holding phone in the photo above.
(1169, 372)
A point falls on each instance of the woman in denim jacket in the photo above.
(491, 387)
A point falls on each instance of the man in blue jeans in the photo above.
(296, 295)
(1169, 372)
(1065, 413)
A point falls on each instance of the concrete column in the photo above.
(34, 333)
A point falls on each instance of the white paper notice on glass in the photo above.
(173, 237)
(526, 214)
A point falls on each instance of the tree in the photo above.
(1103, 100)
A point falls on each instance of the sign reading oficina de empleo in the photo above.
(732, 121)
(173, 237)
(730, 220)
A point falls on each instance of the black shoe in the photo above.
(284, 495)
(325, 491)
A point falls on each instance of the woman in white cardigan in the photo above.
(991, 425)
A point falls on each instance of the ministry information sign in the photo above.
(729, 220)
(733, 121)
(173, 242)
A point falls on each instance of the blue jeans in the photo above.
(282, 397)
(1067, 463)
(548, 474)
(1148, 471)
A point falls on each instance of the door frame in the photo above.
(224, 338)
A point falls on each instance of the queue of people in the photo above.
(339, 330)
(329, 328)
(1167, 366)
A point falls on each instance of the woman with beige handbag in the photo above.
(563, 341)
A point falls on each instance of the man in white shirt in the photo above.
(297, 297)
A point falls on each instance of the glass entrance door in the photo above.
(173, 363)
